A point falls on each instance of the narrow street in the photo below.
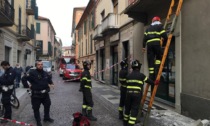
(66, 99)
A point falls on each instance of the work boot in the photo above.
(38, 123)
(48, 120)
(125, 123)
(4, 121)
(120, 115)
(90, 116)
(84, 112)
(130, 124)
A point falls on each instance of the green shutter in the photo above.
(32, 31)
(36, 12)
(49, 48)
(38, 28)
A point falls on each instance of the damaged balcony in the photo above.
(6, 13)
(110, 24)
(144, 10)
(23, 33)
(97, 33)
(30, 7)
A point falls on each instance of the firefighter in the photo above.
(122, 78)
(85, 87)
(135, 82)
(152, 39)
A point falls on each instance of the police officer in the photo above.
(135, 82)
(40, 82)
(85, 87)
(122, 78)
(152, 38)
(7, 84)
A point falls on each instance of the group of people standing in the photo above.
(40, 83)
(132, 84)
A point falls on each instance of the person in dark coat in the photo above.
(18, 69)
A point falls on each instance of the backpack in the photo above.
(80, 120)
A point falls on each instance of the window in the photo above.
(86, 47)
(102, 15)
(38, 28)
(19, 20)
(49, 48)
(91, 46)
(115, 5)
(85, 27)
(93, 19)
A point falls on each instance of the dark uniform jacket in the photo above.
(135, 81)
(153, 34)
(39, 80)
(86, 80)
(8, 77)
(122, 77)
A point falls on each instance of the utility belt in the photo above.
(41, 91)
(7, 88)
(124, 86)
(135, 92)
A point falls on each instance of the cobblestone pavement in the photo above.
(65, 101)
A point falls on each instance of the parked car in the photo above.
(72, 72)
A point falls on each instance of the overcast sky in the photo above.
(60, 14)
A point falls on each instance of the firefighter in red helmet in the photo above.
(152, 39)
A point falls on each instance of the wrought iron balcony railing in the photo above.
(23, 33)
(6, 13)
(30, 7)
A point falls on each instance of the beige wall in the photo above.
(103, 5)
(44, 27)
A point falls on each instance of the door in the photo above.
(166, 89)
(114, 52)
(7, 53)
(102, 55)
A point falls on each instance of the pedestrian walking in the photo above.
(40, 81)
(85, 87)
(123, 88)
(152, 39)
(19, 70)
(7, 85)
(135, 82)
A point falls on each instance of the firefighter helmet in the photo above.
(123, 64)
(156, 18)
(85, 64)
(136, 64)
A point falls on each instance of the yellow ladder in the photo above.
(169, 25)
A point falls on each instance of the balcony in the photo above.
(40, 52)
(110, 24)
(30, 7)
(6, 14)
(97, 32)
(144, 10)
(23, 33)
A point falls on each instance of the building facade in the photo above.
(57, 52)
(85, 28)
(77, 14)
(184, 81)
(67, 51)
(45, 39)
(114, 40)
(17, 21)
